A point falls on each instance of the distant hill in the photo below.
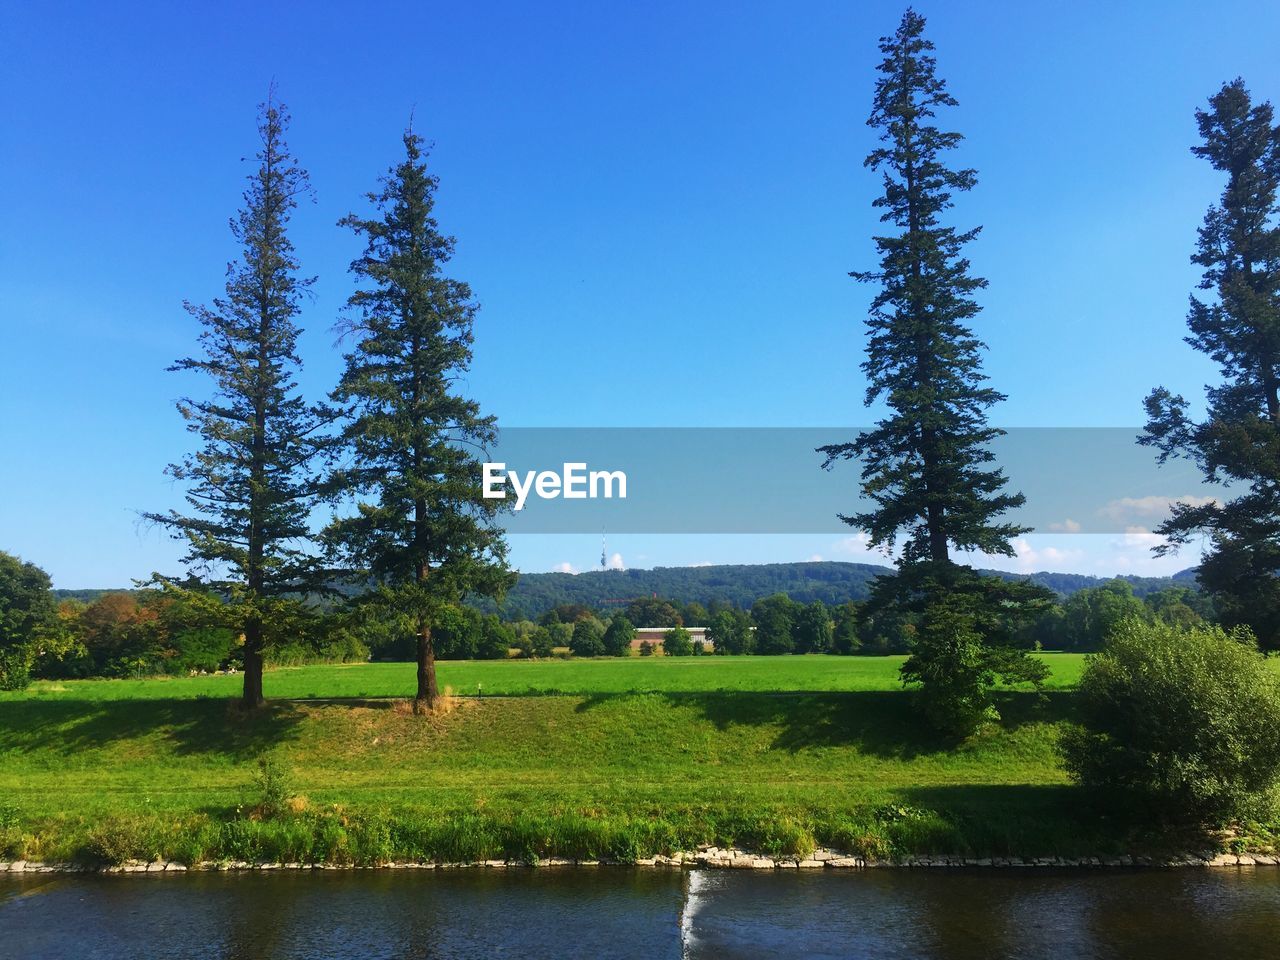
(830, 581)
(742, 584)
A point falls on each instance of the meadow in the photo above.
(523, 678)
(617, 759)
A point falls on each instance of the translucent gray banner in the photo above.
(770, 480)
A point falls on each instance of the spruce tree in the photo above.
(250, 486)
(1236, 324)
(927, 467)
(421, 533)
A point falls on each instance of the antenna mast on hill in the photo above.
(604, 565)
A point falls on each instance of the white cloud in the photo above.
(1031, 558)
(859, 545)
(565, 567)
(1066, 526)
(615, 562)
(815, 558)
(1129, 510)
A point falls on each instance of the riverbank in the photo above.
(713, 858)
(93, 778)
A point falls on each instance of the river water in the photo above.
(652, 914)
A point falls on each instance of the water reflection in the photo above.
(947, 915)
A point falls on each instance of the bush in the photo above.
(1184, 723)
(677, 642)
(774, 619)
(617, 639)
(15, 668)
(274, 785)
(587, 639)
(646, 648)
(542, 642)
(496, 639)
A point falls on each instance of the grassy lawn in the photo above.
(536, 677)
(610, 758)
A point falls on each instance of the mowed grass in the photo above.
(535, 678)
(706, 766)
(576, 758)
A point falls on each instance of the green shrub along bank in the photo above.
(1183, 724)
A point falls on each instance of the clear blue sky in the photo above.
(656, 205)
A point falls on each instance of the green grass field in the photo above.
(537, 677)
(576, 758)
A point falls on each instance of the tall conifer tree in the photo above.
(927, 466)
(250, 485)
(422, 531)
(1237, 325)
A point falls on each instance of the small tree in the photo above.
(730, 632)
(496, 639)
(542, 642)
(677, 642)
(844, 636)
(646, 648)
(1183, 723)
(774, 619)
(561, 635)
(588, 638)
(1089, 615)
(653, 612)
(458, 632)
(26, 608)
(965, 639)
(618, 637)
(813, 628)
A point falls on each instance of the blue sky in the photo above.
(656, 206)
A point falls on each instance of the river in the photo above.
(644, 913)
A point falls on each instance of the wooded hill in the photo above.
(831, 582)
(742, 584)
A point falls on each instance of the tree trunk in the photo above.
(428, 689)
(252, 697)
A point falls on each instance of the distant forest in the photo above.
(743, 584)
(739, 584)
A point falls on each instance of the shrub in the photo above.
(496, 639)
(646, 648)
(274, 786)
(677, 642)
(15, 668)
(587, 639)
(1184, 723)
(617, 639)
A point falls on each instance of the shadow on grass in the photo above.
(884, 724)
(217, 727)
(1026, 820)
